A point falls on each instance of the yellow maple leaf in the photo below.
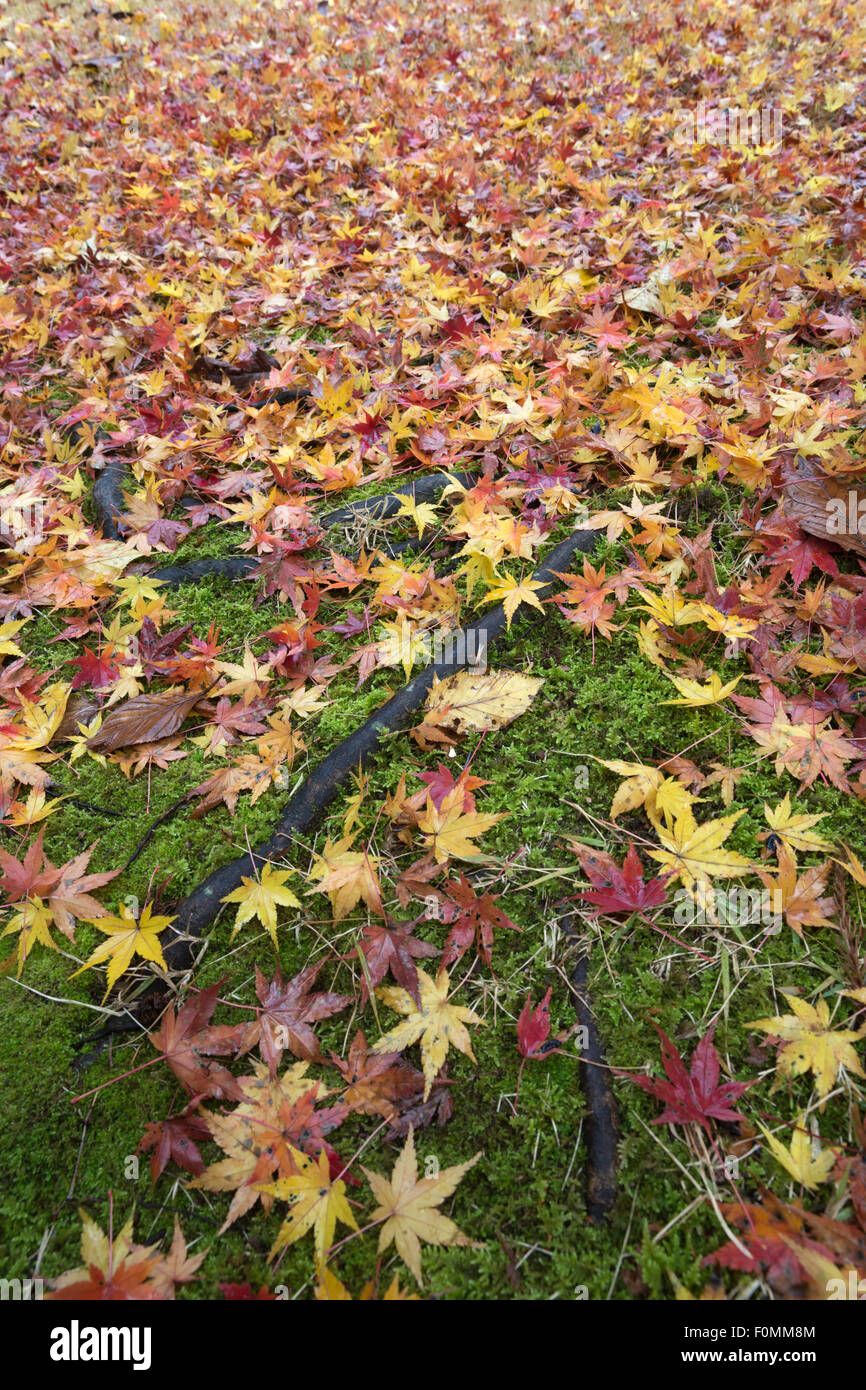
(513, 593)
(407, 1206)
(793, 829)
(33, 921)
(127, 937)
(809, 1044)
(258, 897)
(436, 1023)
(7, 632)
(669, 609)
(248, 680)
(316, 1203)
(693, 853)
(421, 514)
(347, 876)
(853, 866)
(448, 832)
(693, 693)
(798, 1160)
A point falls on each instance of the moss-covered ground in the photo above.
(523, 1204)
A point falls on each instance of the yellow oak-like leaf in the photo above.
(408, 1207)
(470, 701)
(437, 1024)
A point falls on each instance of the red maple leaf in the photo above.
(476, 921)
(96, 669)
(177, 1138)
(394, 949)
(695, 1096)
(370, 427)
(797, 554)
(533, 1034)
(185, 1040)
(618, 889)
(33, 876)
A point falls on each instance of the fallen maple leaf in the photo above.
(693, 853)
(436, 1024)
(809, 1044)
(128, 936)
(175, 1138)
(794, 830)
(476, 920)
(799, 898)
(258, 897)
(694, 1096)
(287, 1010)
(618, 889)
(347, 876)
(395, 949)
(694, 694)
(448, 832)
(798, 1160)
(407, 1207)
(113, 1270)
(185, 1039)
(315, 1203)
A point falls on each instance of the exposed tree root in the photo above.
(602, 1121)
(389, 503)
(372, 508)
(302, 811)
(231, 566)
(108, 497)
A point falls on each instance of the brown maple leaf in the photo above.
(287, 1011)
(477, 919)
(391, 948)
(185, 1040)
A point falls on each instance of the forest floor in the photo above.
(478, 237)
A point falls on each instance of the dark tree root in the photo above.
(232, 566)
(602, 1123)
(309, 802)
(108, 498)
(375, 508)
(389, 503)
